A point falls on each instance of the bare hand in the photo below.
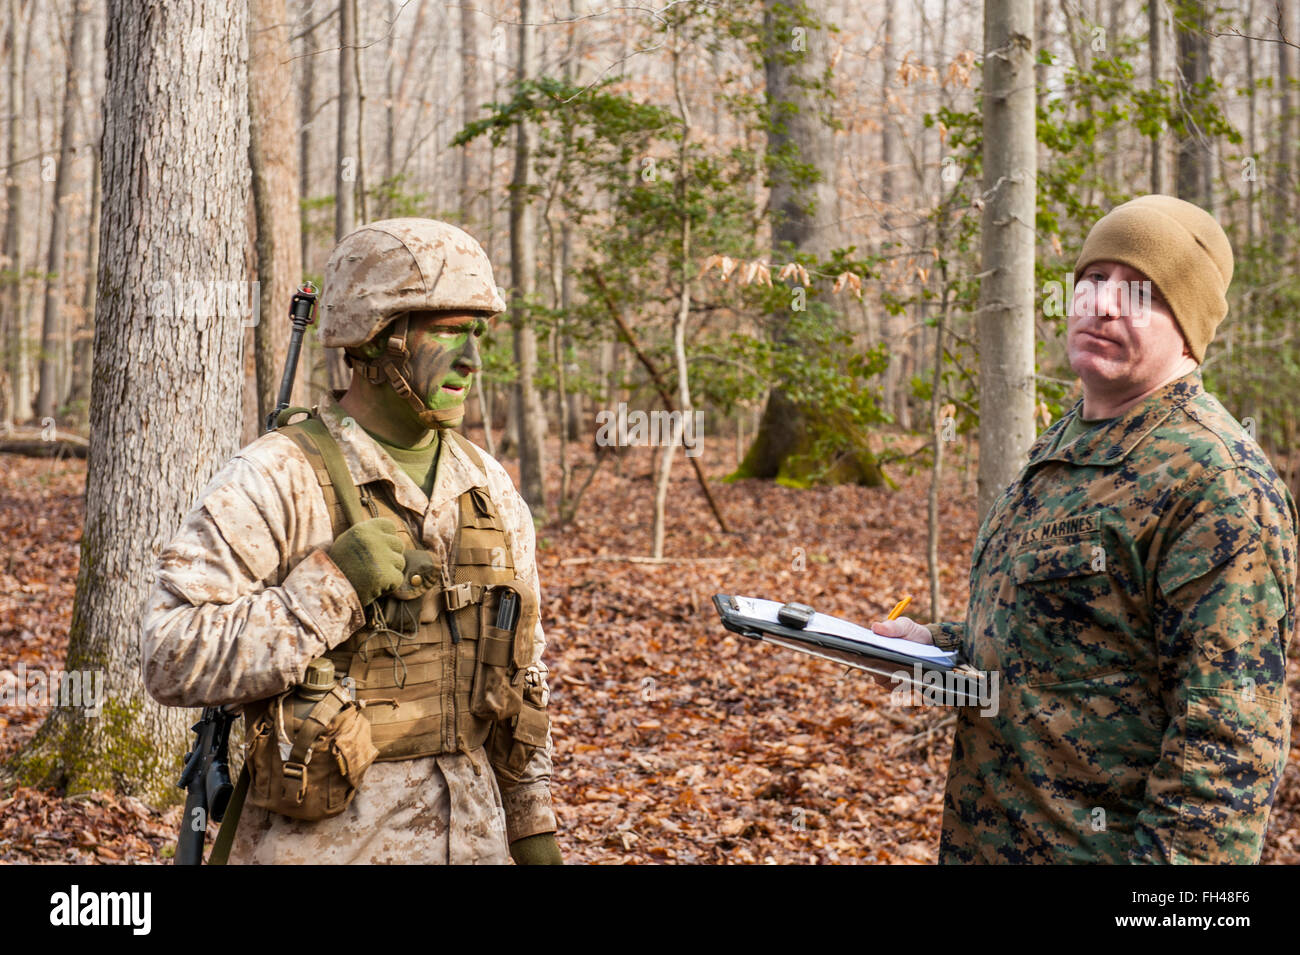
(904, 628)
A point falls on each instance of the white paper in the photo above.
(766, 610)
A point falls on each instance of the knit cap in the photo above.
(1180, 247)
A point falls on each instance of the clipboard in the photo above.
(898, 666)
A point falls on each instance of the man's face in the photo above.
(1121, 336)
(444, 358)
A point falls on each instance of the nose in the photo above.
(468, 361)
(1108, 298)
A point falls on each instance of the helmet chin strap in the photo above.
(394, 366)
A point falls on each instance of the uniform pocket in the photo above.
(1064, 622)
(494, 695)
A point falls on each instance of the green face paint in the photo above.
(444, 359)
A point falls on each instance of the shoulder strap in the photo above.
(467, 446)
(325, 457)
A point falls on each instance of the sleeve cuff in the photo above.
(946, 636)
(528, 811)
(323, 598)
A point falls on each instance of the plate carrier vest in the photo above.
(437, 673)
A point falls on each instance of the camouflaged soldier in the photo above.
(404, 598)
(1134, 587)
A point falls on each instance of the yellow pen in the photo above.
(901, 606)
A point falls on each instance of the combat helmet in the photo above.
(390, 268)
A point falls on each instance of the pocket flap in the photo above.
(1054, 561)
(532, 725)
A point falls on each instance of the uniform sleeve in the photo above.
(948, 635)
(1224, 611)
(241, 600)
(527, 800)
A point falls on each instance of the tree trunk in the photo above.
(1192, 175)
(1156, 43)
(1005, 327)
(802, 207)
(54, 327)
(83, 345)
(469, 69)
(893, 391)
(165, 401)
(15, 403)
(523, 274)
(1281, 181)
(347, 159)
(274, 163)
(680, 318)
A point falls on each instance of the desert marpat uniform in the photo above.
(245, 597)
(1135, 591)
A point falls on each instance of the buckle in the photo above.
(461, 595)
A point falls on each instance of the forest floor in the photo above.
(675, 741)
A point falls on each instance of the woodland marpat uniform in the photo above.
(1135, 590)
(246, 597)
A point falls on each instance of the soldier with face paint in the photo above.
(268, 576)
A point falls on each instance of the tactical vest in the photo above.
(437, 673)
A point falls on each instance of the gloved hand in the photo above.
(370, 554)
(541, 849)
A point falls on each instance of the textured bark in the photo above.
(896, 377)
(83, 342)
(469, 96)
(346, 151)
(1285, 134)
(523, 275)
(1005, 324)
(165, 401)
(802, 220)
(1192, 175)
(1156, 44)
(274, 163)
(54, 333)
(14, 403)
(347, 161)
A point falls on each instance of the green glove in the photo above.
(370, 554)
(541, 849)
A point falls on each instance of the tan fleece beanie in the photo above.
(1180, 248)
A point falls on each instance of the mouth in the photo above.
(1094, 335)
(454, 389)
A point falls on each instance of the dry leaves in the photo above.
(675, 742)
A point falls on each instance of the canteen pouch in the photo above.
(512, 742)
(308, 768)
(497, 692)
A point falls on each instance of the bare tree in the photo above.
(1005, 325)
(274, 162)
(53, 370)
(523, 274)
(14, 400)
(1192, 176)
(165, 402)
(1156, 45)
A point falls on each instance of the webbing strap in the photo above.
(319, 445)
(315, 723)
(226, 834)
(467, 446)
